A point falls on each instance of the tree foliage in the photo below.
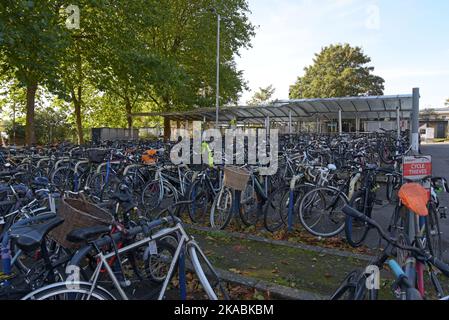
(263, 96)
(32, 39)
(338, 71)
(126, 56)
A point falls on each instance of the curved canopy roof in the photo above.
(367, 108)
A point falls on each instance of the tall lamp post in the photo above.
(217, 97)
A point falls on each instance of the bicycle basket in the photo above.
(78, 214)
(235, 178)
(96, 155)
(415, 197)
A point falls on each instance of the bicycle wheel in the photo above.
(433, 233)
(158, 264)
(276, 210)
(320, 212)
(392, 184)
(70, 291)
(387, 150)
(221, 213)
(249, 206)
(152, 195)
(201, 197)
(102, 186)
(356, 231)
(347, 289)
(206, 274)
(63, 178)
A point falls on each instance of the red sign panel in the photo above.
(417, 168)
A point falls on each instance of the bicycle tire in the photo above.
(433, 233)
(224, 213)
(305, 208)
(353, 236)
(202, 275)
(276, 208)
(61, 291)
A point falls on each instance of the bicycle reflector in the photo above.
(415, 197)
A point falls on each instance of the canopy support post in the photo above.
(290, 122)
(340, 122)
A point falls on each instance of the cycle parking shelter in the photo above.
(401, 111)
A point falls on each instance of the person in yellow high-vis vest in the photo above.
(210, 157)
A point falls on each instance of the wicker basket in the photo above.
(235, 178)
(78, 214)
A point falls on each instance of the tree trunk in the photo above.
(30, 134)
(167, 129)
(129, 109)
(79, 124)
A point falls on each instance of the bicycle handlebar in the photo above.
(83, 252)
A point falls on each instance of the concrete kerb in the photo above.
(276, 291)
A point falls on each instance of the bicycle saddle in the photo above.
(30, 235)
(87, 234)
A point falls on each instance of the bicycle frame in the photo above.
(183, 242)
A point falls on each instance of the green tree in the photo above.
(124, 64)
(338, 71)
(185, 35)
(32, 38)
(447, 102)
(263, 96)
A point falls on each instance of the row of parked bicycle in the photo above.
(133, 235)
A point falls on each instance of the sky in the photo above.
(408, 41)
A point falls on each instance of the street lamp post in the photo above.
(217, 91)
(217, 97)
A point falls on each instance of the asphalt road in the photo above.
(440, 163)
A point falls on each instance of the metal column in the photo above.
(217, 93)
(415, 149)
(290, 122)
(415, 121)
(340, 122)
(398, 122)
